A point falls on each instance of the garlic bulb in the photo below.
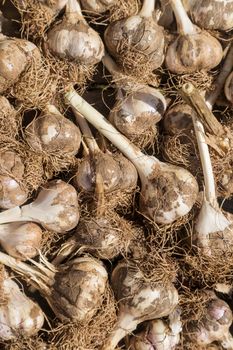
(55, 208)
(178, 119)
(176, 187)
(139, 300)
(228, 88)
(15, 56)
(11, 175)
(194, 49)
(21, 240)
(97, 6)
(158, 334)
(212, 14)
(74, 39)
(78, 289)
(74, 291)
(128, 38)
(52, 133)
(19, 316)
(8, 122)
(214, 324)
(138, 111)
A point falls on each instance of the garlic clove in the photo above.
(53, 133)
(19, 316)
(228, 88)
(78, 289)
(21, 240)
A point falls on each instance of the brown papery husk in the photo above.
(124, 9)
(68, 72)
(90, 335)
(36, 87)
(35, 18)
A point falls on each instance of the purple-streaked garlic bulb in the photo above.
(139, 300)
(194, 49)
(212, 14)
(21, 240)
(56, 208)
(19, 315)
(97, 6)
(11, 174)
(214, 324)
(73, 39)
(137, 35)
(15, 56)
(52, 133)
(158, 334)
(228, 88)
(167, 192)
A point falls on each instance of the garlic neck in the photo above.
(184, 24)
(147, 8)
(73, 12)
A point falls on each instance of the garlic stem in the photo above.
(184, 24)
(221, 78)
(147, 9)
(12, 215)
(210, 193)
(86, 131)
(100, 123)
(126, 324)
(74, 12)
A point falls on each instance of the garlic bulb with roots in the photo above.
(212, 14)
(97, 6)
(139, 300)
(73, 39)
(167, 192)
(137, 110)
(56, 208)
(214, 325)
(158, 334)
(137, 40)
(21, 240)
(19, 315)
(228, 88)
(74, 290)
(11, 175)
(8, 118)
(194, 49)
(53, 133)
(116, 172)
(15, 56)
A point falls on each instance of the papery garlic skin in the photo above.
(97, 6)
(228, 88)
(19, 316)
(15, 55)
(137, 112)
(21, 240)
(212, 14)
(78, 289)
(53, 133)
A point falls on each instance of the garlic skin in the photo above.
(228, 88)
(128, 173)
(178, 119)
(212, 14)
(192, 53)
(214, 325)
(19, 316)
(53, 133)
(97, 6)
(139, 32)
(21, 240)
(15, 55)
(137, 112)
(139, 300)
(11, 170)
(78, 289)
(73, 39)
